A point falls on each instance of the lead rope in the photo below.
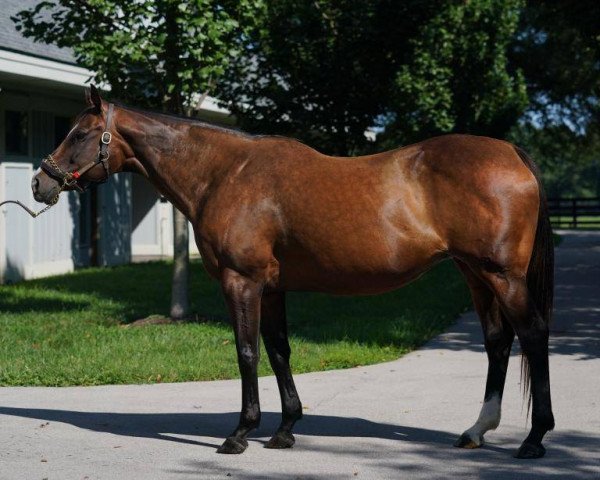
(28, 210)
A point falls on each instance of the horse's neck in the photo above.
(181, 159)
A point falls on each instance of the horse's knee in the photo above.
(248, 357)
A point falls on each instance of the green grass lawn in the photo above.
(71, 329)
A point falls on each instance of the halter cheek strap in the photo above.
(105, 140)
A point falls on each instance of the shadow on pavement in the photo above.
(423, 447)
(162, 425)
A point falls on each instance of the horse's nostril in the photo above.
(34, 184)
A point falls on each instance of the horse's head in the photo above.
(87, 155)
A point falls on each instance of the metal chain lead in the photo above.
(28, 210)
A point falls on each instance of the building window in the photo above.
(17, 133)
(62, 126)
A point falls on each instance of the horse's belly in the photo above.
(344, 284)
(364, 274)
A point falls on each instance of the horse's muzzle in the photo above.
(44, 188)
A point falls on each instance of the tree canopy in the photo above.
(458, 77)
(157, 53)
(558, 49)
(325, 71)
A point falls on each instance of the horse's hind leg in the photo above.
(498, 338)
(274, 332)
(532, 330)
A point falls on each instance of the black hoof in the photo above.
(465, 441)
(530, 450)
(281, 440)
(233, 445)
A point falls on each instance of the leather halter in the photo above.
(70, 179)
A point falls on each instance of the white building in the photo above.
(41, 90)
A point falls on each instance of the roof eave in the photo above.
(26, 65)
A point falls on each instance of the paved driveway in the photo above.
(393, 420)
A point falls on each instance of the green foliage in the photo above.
(71, 329)
(326, 71)
(319, 70)
(569, 161)
(156, 53)
(558, 49)
(458, 77)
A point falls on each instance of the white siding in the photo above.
(115, 220)
(152, 223)
(15, 228)
(28, 248)
(147, 231)
(53, 235)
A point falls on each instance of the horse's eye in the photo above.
(79, 135)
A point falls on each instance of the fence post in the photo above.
(566, 211)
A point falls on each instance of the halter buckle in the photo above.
(106, 138)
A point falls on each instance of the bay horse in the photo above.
(272, 215)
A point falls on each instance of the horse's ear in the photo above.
(92, 97)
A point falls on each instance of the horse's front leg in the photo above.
(243, 300)
(273, 327)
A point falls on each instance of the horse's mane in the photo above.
(157, 115)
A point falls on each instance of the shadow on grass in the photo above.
(405, 317)
(136, 290)
(424, 449)
(42, 303)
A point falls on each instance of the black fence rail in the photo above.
(574, 212)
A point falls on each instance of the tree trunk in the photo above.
(180, 304)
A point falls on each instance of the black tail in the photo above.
(540, 276)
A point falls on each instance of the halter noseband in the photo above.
(70, 179)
